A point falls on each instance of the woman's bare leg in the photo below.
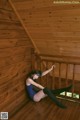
(38, 96)
(46, 92)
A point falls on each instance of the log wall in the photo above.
(55, 28)
(15, 60)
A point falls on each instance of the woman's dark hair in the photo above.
(38, 72)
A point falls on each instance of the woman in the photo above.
(43, 92)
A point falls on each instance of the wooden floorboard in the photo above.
(47, 110)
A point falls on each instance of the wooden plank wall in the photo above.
(15, 60)
(55, 28)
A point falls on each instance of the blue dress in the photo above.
(31, 91)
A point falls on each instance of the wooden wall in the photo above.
(15, 60)
(55, 28)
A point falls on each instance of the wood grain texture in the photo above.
(15, 60)
(55, 28)
(46, 109)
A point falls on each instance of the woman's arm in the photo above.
(35, 84)
(47, 71)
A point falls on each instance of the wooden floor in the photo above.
(47, 110)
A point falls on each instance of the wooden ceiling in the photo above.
(55, 28)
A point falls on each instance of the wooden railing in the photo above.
(64, 74)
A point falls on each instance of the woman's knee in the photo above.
(38, 96)
(36, 99)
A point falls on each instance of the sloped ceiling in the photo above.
(55, 28)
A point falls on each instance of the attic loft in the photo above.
(35, 35)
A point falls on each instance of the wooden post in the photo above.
(66, 77)
(59, 75)
(46, 75)
(73, 80)
(53, 82)
(32, 59)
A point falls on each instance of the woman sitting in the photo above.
(43, 92)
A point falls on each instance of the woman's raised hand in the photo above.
(53, 66)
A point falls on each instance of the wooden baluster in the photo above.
(47, 74)
(53, 75)
(32, 59)
(36, 61)
(73, 82)
(59, 75)
(66, 78)
(40, 65)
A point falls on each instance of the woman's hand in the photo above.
(49, 70)
(53, 66)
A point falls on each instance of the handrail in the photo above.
(59, 56)
(66, 62)
(50, 79)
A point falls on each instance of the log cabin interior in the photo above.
(35, 34)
